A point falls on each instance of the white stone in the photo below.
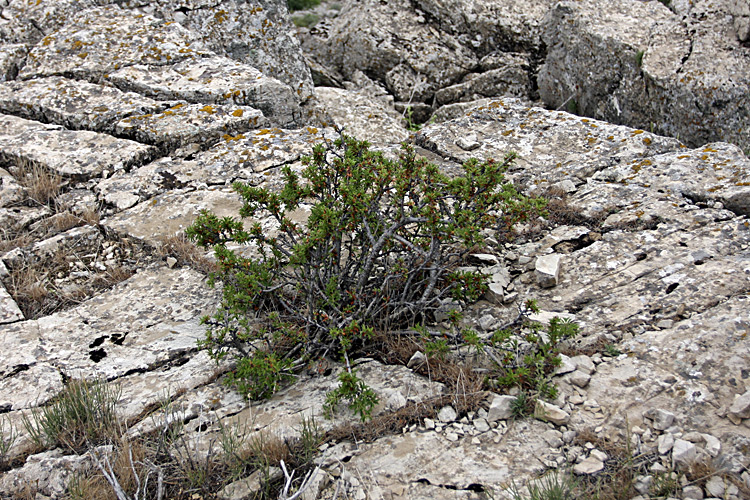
(566, 365)
(665, 443)
(683, 453)
(550, 413)
(692, 492)
(740, 407)
(661, 419)
(500, 408)
(590, 465)
(447, 414)
(713, 445)
(481, 425)
(579, 378)
(547, 270)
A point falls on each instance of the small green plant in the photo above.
(664, 485)
(572, 106)
(611, 350)
(84, 413)
(409, 119)
(522, 406)
(551, 486)
(8, 435)
(379, 251)
(294, 5)
(361, 398)
(526, 357)
(639, 58)
(311, 437)
(306, 21)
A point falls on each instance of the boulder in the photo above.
(651, 68)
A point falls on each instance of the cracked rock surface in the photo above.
(120, 122)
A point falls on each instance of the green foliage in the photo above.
(361, 398)
(639, 58)
(409, 119)
(305, 21)
(8, 435)
(551, 486)
(260, 374)
(378, 251)
(294, 5)
(572, 107)
(84, 413)
(611, 350)
(526, 358)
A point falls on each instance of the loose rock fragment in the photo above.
(548, 270)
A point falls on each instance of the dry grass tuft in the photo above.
(186, 253)
(41, 185)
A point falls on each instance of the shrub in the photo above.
(380, 250)
(294, 5)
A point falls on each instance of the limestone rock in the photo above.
(550, 413)
(184, 124)
(741, 406)
(74, 104)
(393, 45)
(683, 453)
(511, 78)
(257, 33)
(652, 67)
(447, 414)
(500, 408)
(213, 80)
(98, 41)
(11, 59)
(590, 465)
(78, 154)
(661, 419)
(9, 311)
(547, 270)
(362, 116)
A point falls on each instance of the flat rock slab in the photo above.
(9, 311)
(98, 41)
(11, 59)
(27, 22)
(552, 145)
(239, 157)
(172, 212)
(213, 80)
(281, 415)
(361, 116)
(73, 104)
(256, 32)
(183, 124)
(77, 154)
(145, 322)
(406, 463)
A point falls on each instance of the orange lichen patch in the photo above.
(636, 132)
(611, 138)
(232, 93)
(713, 189)
(710, 150)
(312, 130)
(47, 40)
(682, 157)
(229, 138)
(100, 109)
(208, 109)
(83, 55)
(238, 113)
(507, 132)
(591, 140)
(647, 141)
